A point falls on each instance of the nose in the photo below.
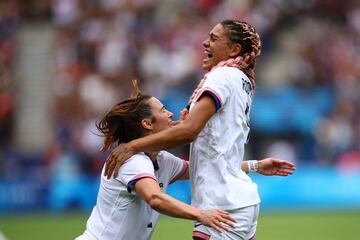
(170, 114)
(206, 42)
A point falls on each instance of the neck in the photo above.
(152, 155)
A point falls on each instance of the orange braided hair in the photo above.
(245, 35)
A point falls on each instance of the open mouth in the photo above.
(207, 60)
(208, 54)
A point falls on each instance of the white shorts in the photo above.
(244, 229)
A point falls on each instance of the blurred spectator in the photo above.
(349, 161)
(282, 150)
(9, 20)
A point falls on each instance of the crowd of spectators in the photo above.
(306, 105)
(9, 20)
(307, 100)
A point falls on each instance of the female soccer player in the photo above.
(128, 206)
(217, 127)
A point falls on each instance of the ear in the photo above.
(146, 124)
(235, 50)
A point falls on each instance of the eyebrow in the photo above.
(212, 35)
(163, 107)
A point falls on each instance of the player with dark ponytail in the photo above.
(128, 206)
(122, 123)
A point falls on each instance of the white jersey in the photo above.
(119, 212)
(217, 180)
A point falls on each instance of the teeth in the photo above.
(208, 54)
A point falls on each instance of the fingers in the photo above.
(184, 111)
(229, 220)
(286, 168)
(116, 169)
(284, 172)
(183, 114)
(221, 224)
(110, 164)
(222, 212)
(222, 221)
(283, 163)
(218, 227)
(226, 217)
(288, 165)
(115, 160)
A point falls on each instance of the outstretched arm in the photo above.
(149, 190)
(178, 135)
(272, 167)
(267, 166)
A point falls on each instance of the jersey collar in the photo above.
(154, 162)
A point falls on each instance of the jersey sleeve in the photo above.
(218, 86)
(175, 166)
(134, 169)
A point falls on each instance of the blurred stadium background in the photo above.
(63, 63)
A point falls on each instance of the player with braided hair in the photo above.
(245, 35)
(217, 126)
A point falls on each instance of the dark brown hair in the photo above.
(245, 35)
(123, 122)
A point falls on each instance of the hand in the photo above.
(183, 115)
(272, 166)
(216, 219)
(107, 144)
(117, 158)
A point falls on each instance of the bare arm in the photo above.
(149, 190)
(267, 166)
(178, 135)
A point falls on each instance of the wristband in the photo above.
(253, 165)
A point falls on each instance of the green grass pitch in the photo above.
(272, 226)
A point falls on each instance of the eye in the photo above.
(213, 37)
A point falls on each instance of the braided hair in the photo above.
(244, 34)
